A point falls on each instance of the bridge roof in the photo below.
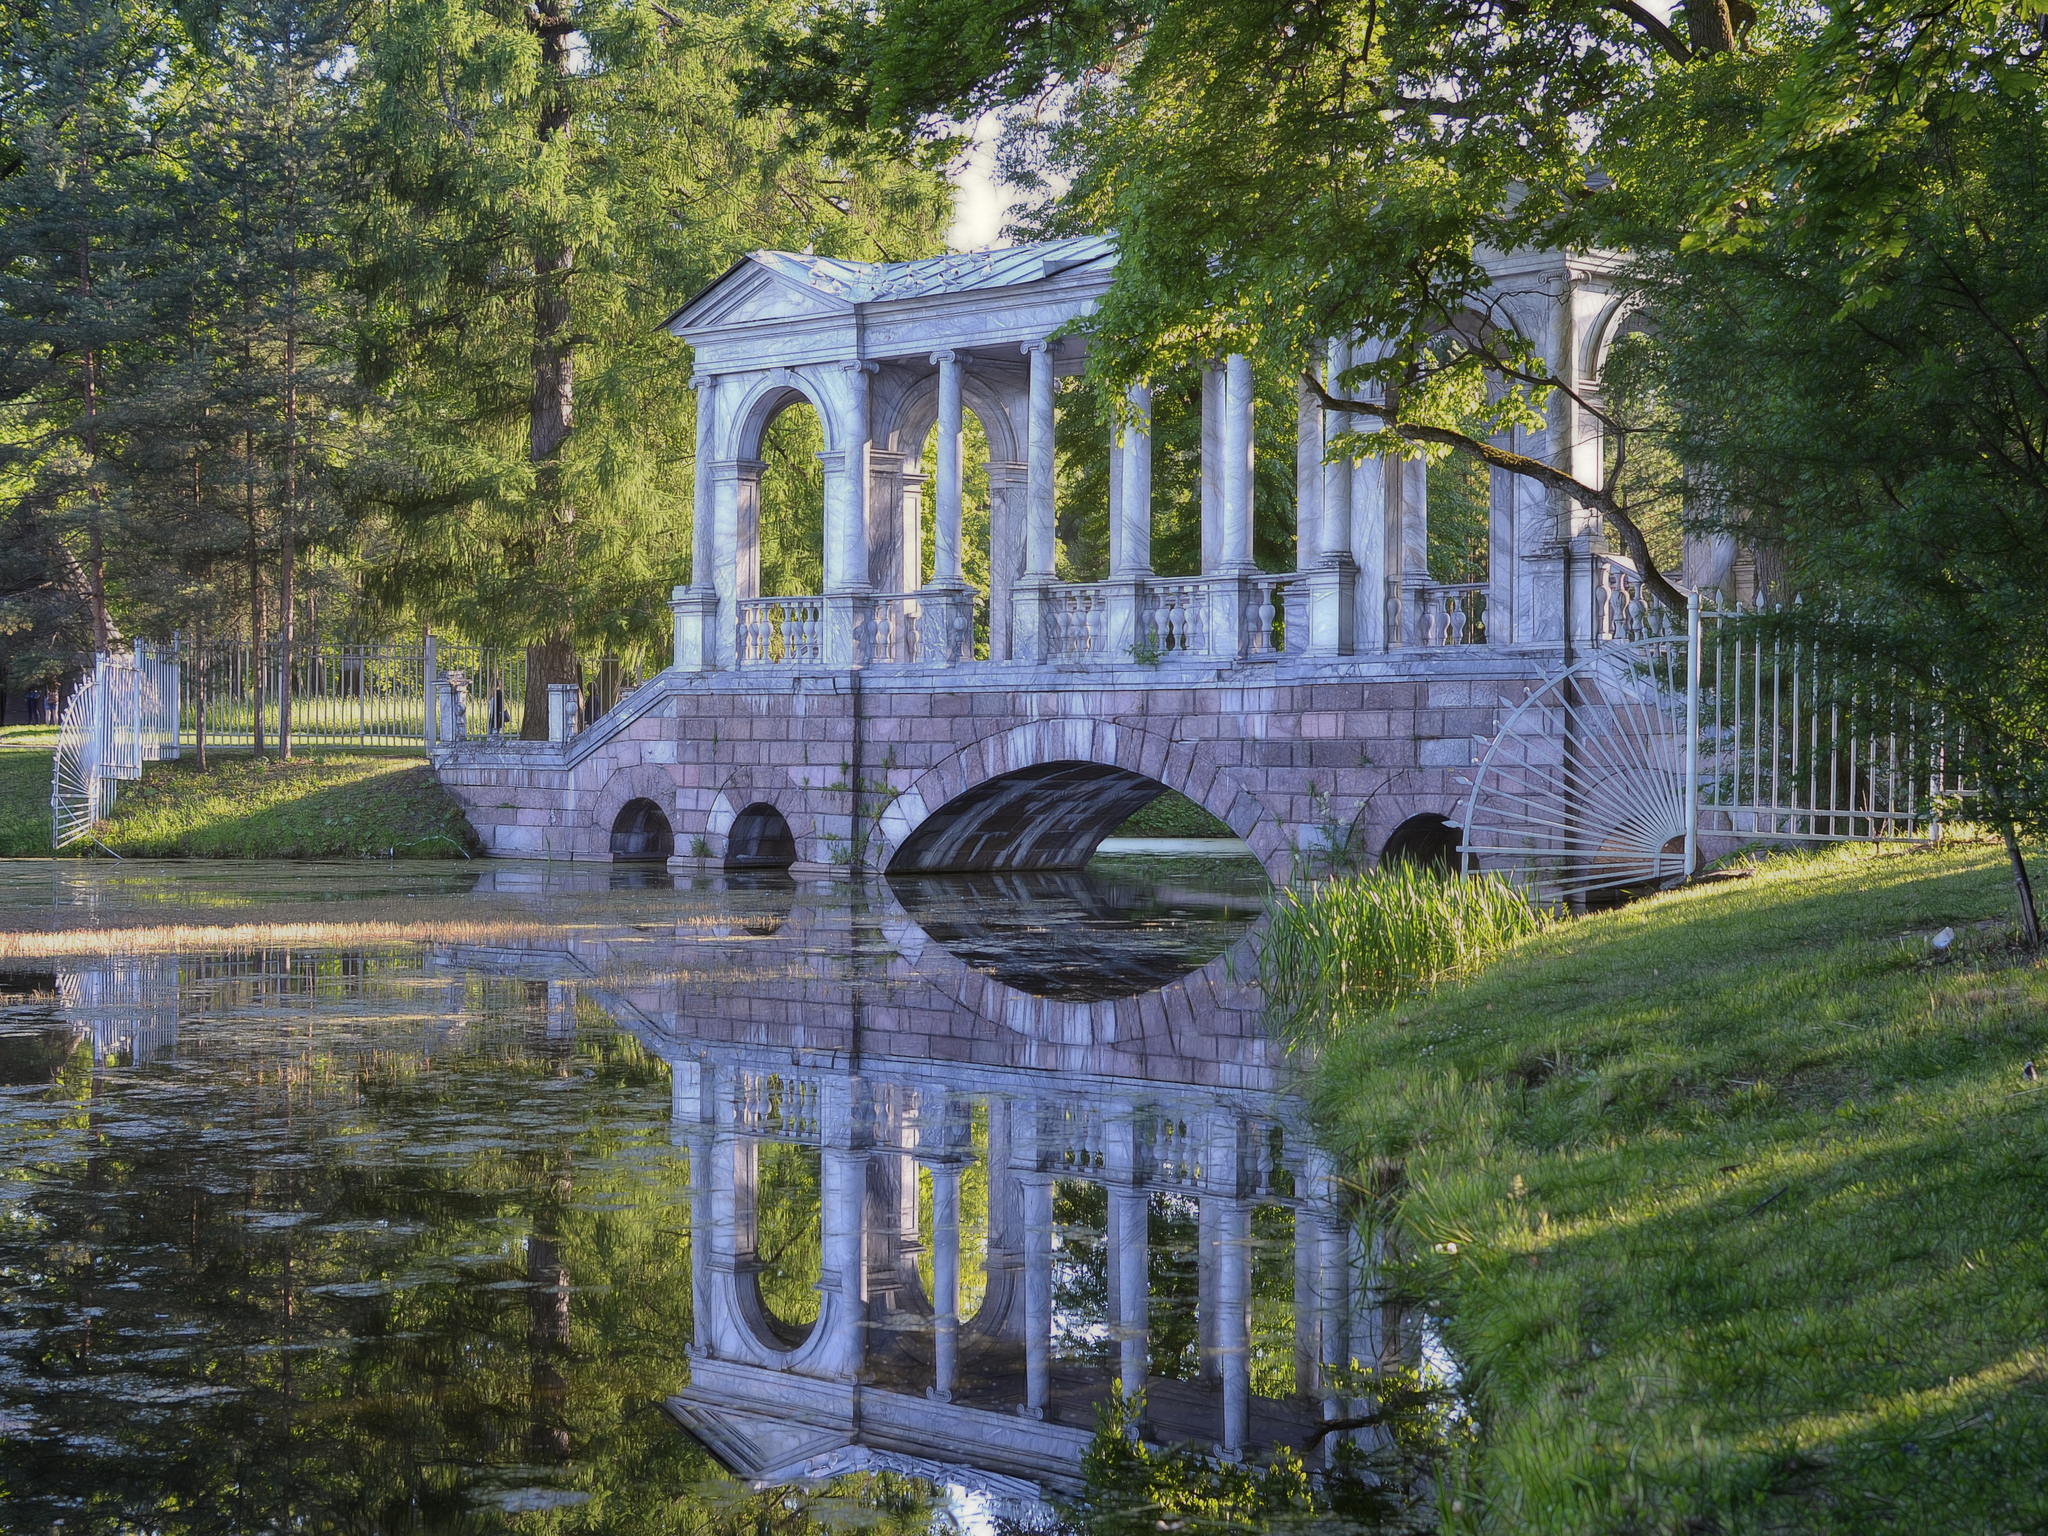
(778, 287)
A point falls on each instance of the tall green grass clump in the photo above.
(1367, 939)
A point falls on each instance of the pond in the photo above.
(585, 1198)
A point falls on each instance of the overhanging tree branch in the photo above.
(1667, 39)
(1654, 580)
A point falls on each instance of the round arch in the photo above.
(642, 833)
(765, 398)
(648, 782)
(1043, 794)
(760, 838)
(917, 412)
(1427, 841)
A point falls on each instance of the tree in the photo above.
(80, 332)
(1277, 173)
(1853, 351)
(266, 179)
(553, 181)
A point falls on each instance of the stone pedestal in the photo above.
(564, 706)
(1332, 603)
(1229, 595)
(945, 624)
(1128, 631)
(847, 618)
(695, 612)
(1028, 603)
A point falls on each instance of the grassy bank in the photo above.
(1173, 815)
(322, 805)
(1733, 1205)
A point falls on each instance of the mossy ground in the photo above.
(322, 805)
(1733, 1205)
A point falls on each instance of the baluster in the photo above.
(1433, 618)
(1454, 620)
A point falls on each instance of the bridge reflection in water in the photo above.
(935, 1217)
(938, 1217)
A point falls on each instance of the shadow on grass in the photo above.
(322, 806)
(1732, 1205)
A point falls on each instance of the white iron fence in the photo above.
(137, 708)
(1670, 743)
(345, 694)
(122, 715)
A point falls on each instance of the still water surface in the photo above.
(620, 1195)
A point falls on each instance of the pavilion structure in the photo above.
(894, 356)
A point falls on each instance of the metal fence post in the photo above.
(1692, 733)
(430, 691)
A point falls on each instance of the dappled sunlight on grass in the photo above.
(1748, 1203)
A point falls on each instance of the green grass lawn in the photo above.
(1733, 1205)
(1173, 815)
(321, 805)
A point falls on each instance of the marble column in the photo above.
(1039, 510)
(1130, 529)
(945, 1278)
(1212, 467)
(848, 596)
(1131, 545)
(1007, 484)
(1236, 552)
(947, 474)
(1233, 1334)
(1129, 1238)
(1031, 594)
(1036, 1189)
(702, 513)
(1333, 579)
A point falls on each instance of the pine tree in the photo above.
(552, 182)
(81, 328)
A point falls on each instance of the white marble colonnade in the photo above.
(893, 355)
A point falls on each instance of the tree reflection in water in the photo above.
(425, 1271)
(426, 1238)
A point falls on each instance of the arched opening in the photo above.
(1427, 842)
(782, 545)
(641, 833)
(1050, 816)
(788, 1235)
(760, 839)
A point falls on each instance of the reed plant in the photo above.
(1365, 940)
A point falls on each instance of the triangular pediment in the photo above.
(751, 1443)
(753, 292)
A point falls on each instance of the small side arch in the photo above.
(764, 397)
(1427, 841)
(760, 839)
(641, 832)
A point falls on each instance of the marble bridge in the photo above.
(902, 720)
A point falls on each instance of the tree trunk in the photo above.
(287, 552)
(257, 665)
(95, 560)
(552, 410)
(552, 661)
(2023, 888)
(199, 715)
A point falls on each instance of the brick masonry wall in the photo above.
(1290, 754)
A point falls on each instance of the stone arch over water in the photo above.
(1044, 795)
